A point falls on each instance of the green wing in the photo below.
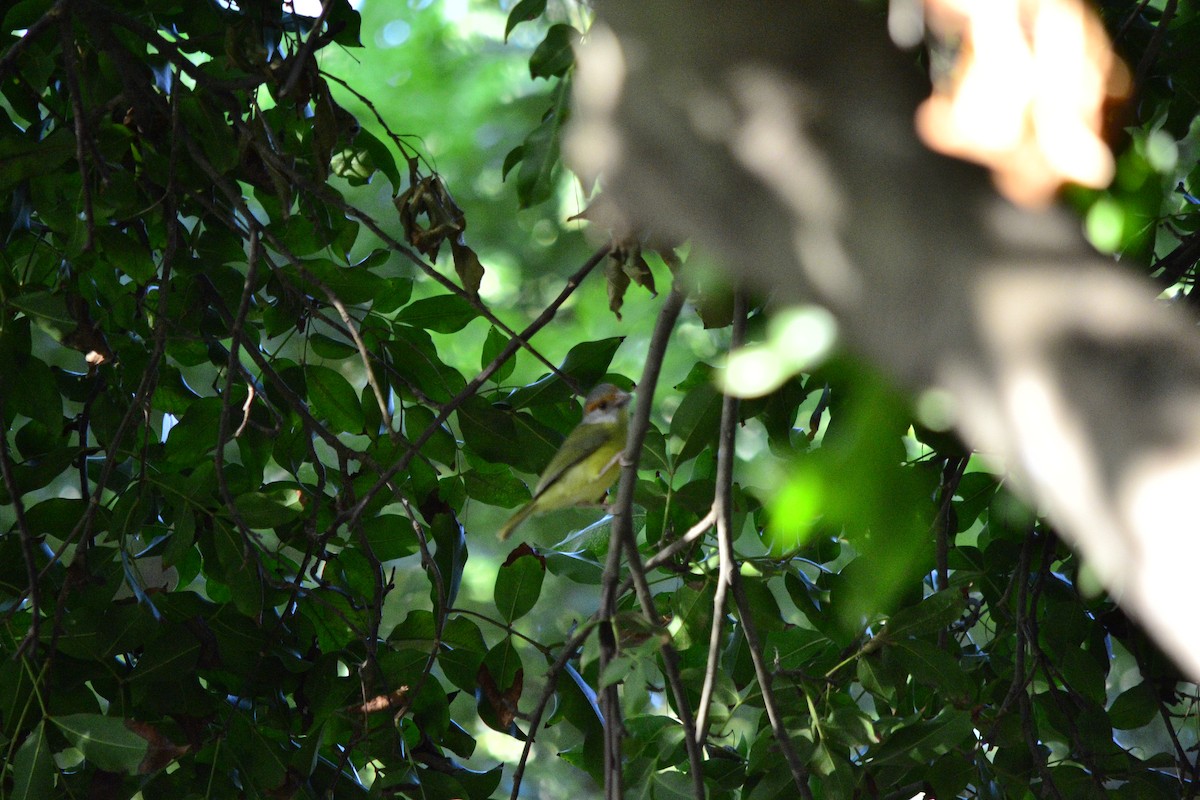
(582, 442)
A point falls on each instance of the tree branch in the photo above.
(535, 719)
(723, 511)
(622, 540)
(351, 517)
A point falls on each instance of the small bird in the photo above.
(587, 463)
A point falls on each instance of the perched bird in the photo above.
(587, 463)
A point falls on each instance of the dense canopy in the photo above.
(293, 311)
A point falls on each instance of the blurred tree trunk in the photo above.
(780, 135)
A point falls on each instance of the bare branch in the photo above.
(723, 511)
(233, 370)
(83, 138)
(622, 540)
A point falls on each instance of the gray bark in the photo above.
(779, 135)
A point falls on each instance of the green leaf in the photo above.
(57, 516)
(262, 510)
(493, 345)
(39, 398)
(1082, 672)
(495, 487)
(239, 570)
(23, 158)
(876, 679)
(463, 652)
(579, 704)
(576, 567)
(797, 648)
(933, 614)
(391, 536)
(381, 156)
(415, 358)
(693, 609)
(505, 437)
(1134, 707)
(167, 658)
(104, 741)
(447, 313)
(523, 11)
(261, 759)
(932, 666)
(555, 55)
(393, 294)
(47, 310)
(540, 153)
(696, 421)
(949, 730)
(418, 628)
(333, 399)
(33, 768)
(504, 664)
(513, 158)
(127, 254)
(441, 447)
(586, 362)
(330, 348)
(519, 583)
(450, 558)
(976, 490)
(352, 285)
(195, 435)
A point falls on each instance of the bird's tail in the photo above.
(515, 520)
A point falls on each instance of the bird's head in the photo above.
(604, 404)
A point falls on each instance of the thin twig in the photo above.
(306, 50)
(1026, 639)
(763, 675)
(231, 373)
(1180, 752)
(535, 719)
(82, 134)
(723, 511)
(670, 658)
(622, 541)
(1020, 677)
(782, 737)
(376, 389)
(1150, 54)
(674, 548)
(351, 516)
(254, 226)
(951, 476)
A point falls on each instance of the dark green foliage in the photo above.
(251, 439)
